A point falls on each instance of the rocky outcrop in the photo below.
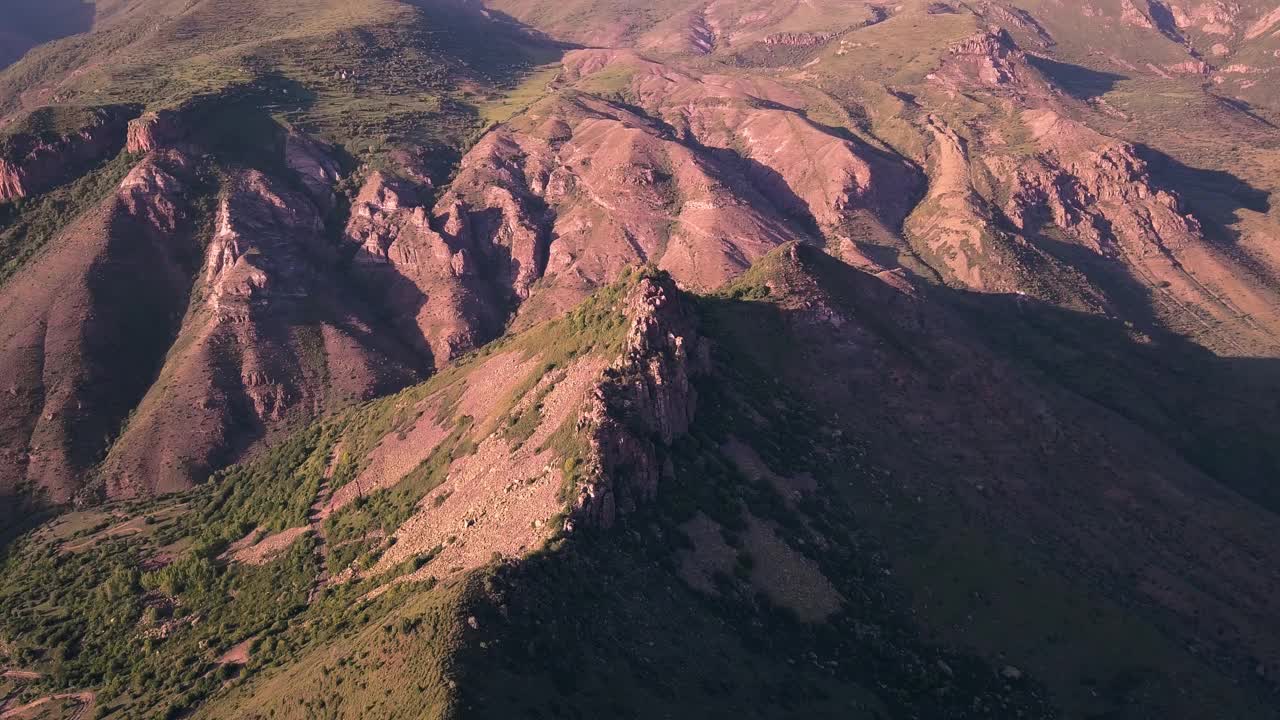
(798, 39)
(1094, 187)
(993, 61)
(644, 403)
(274, 338)
(1101, 194)
(955, 230)
(84, 329)
(31, 163)
(578, 189)
(154, 130)
(1015, 17)
(430, 283)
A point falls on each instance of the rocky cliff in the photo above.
(273, 337)
(33, 162)
(645, 403)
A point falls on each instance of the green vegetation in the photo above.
(371, 77)
(80, 595)
(504, 105)
(28, 224)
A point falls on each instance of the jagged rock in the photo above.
(274, 338)
(33, 163)
(645, 403)
(154, 130)
(427, 280)
(992, 60)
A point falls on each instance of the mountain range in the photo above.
(590, 358)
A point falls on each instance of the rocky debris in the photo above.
(645, 402)
(502, 497)
(31, 163)
(154, 130)
(798, 39)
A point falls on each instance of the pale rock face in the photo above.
(155, 130)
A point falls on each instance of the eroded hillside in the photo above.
(738, 359)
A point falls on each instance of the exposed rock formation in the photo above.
(993, 61)
(798, 39)
(154, 130)
(430, 282)
(645, 402)
(1101, 194)
(32, 163)
(81, 333)
(274, 338)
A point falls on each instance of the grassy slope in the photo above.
(76, 599)
(600, 623)
(969, 582)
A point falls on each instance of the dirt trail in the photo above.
(85, 698)
(315, 521)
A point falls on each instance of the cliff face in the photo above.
(1101, 195)
(432, 283)
(645, 402)
(31, 163)
(273, 338)
(154, 130)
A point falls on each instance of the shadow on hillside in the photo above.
(1221, 414)
(1080, 82)
(605, 624)
(1216, 197)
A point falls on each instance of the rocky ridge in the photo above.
(31, 163)
(644, 404)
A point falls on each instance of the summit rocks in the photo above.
(644, 404)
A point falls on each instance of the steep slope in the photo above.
(244, 236)
(81, 338)
(947, 388)
(656, 504)
(271, 337)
